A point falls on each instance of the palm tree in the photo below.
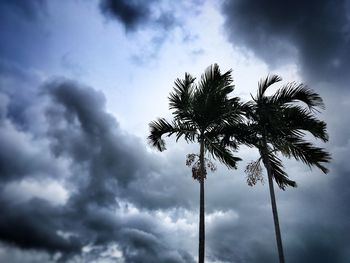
(278, 124)
(201, 111)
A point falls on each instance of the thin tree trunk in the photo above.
(201, 247)
(274, 211)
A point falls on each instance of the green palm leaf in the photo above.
(265, 83)
(304, 151)
(297, 120)
(157, 129)
(294, 92)
(280, 176)
(163, 127)
(221, 153)
(180, 100)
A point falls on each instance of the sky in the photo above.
(80, 81)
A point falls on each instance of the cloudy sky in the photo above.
(79, 82)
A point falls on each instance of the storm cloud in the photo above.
(27, 19)
(78, 185)
(28, 9)
(316, 33)
(138, 14)
(83, 149)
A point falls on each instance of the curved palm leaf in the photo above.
(265, 83)
(218, 151)
(294, 92)
(180, 100)
(280, 176)
(163, 127)
(297, 120)
(213, 81)
(304, 151)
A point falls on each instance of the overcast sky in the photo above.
(80, 81)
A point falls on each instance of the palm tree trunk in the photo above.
(201, 247)
(274, 211)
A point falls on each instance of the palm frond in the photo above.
(297, 120)
(162, 127)
(212, 79)
(181, 97)
(186, 129)
(228, 116)
(210, 98)
(242, 133)
(280, 176)
(213, 83)
(294, 92)
(221, 153)
(304, 151)
(157, 129)
(265, 83)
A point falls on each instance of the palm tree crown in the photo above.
(279, 123)
(200, 112)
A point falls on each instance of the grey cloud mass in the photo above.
(28, 9)
(76, 187)
(313, 224)
(138, 14)
(79, 131)
(130, 13)
(317, 33)
(21, 24)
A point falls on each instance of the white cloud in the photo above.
(49, 190)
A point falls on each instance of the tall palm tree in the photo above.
(200, 112)
(277, 124)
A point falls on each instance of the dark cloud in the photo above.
(102, 167)
(160, 19)
(30, 10)
(145, 247)
(317, 33)
(15, 255)
(312, 225)
(120, 195)
(24, 36)
(137, 14)
(81, 130)
(19, 158)
(130, 13)
(22, 152)
(34, 225)
(15, 80)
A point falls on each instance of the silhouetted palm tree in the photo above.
(201, 111)
(278, 124)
